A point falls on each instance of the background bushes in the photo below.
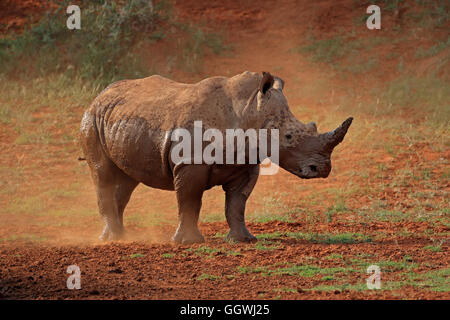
(109, 45)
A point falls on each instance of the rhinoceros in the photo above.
(126, 140)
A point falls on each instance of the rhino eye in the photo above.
(288, 136)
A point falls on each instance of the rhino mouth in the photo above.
(310, 174)
(306, 177)
(310, 171)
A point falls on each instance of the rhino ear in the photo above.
(266, 82)
(278, 84)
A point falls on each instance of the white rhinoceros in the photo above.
(126, 139)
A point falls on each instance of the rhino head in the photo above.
(309, 156)
(302, 150)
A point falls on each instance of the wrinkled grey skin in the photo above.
(125, 137)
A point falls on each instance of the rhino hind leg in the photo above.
(114, 189)
(236, 195)
(113, 196)
(112, 200)
(113, 186)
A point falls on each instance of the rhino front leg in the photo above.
(190, 184)
(236, 195)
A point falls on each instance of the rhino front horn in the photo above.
(333, 138)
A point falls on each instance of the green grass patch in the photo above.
(194, 47)
(285, 289)
(335, 209)
(327, 238)
(391, 285)
(247, 269)
(273, 204)
(266, 245)
(339, 50)
(59, 95)
(433, 248)
(206, 276)
(334, 256)
(376, 214)
(325, 50)
(437, 280)
(433, 50)
(294, 270)
(385, 265)
(433, 14)
(220, 235)
(422, 95)
(345, 238)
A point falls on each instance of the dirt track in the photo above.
(37, 249)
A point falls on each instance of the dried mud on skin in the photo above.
(131, 270)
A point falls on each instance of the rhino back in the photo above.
(166, 104)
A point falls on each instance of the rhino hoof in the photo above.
(107, 235)
(231, 237)
(188, 239)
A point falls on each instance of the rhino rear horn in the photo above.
(266, 82)
(333, 138)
